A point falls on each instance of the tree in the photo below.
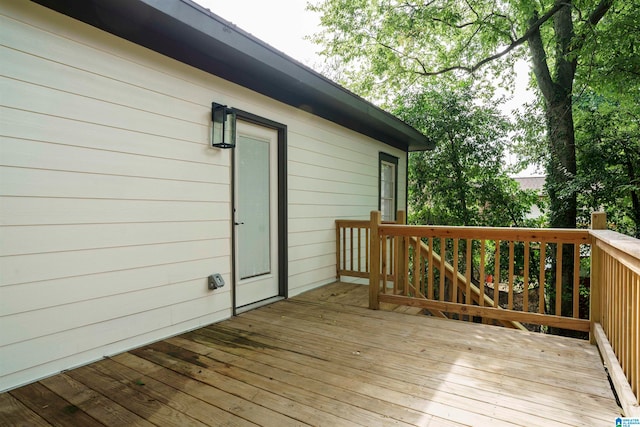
(608, 156)
(463, 181)
(607, 112)
(394, 43)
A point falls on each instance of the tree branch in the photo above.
(596, 15)
(539, 62)
(531, 31)
(599, 12)
(565, 64)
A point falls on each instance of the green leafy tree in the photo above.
(608, 154)
(463, 181)
(388, 45)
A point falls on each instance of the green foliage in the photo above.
(608, 139)
(391, 49)
(386, 44)
(463, 181)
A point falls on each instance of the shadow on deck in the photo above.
(322, 358)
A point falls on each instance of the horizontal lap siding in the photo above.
(333, 173)
(113, 208)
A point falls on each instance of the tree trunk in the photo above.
(561, 173)
(634, 179)
(557, 90)
(561, 168)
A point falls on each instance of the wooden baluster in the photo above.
(417, 265)
(344, 248)
(467, 274)
(374, 272)
(405, 265)
(351, 263)
(431, 262)
(442, 270)
(359, 249)
(482, 276)
(620, 308)
(401, 255)
(496, 276)
(392, 263)
(543, 261)
(558, 279)
(596, 279)
(456, 266)
(525, 294)
(626, 326)
(607, 301)
(338, 247)
(511, 263)
(576, 280)
(367, 248)
(635, 333)
(385, 263)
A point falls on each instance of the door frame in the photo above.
(283, 289)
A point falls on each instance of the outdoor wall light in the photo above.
(223, 132)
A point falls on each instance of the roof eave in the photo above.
(193, 35)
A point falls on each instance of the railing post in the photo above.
(400, 267)
(374, 270)
(598, 222)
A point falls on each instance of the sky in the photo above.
(281, 23)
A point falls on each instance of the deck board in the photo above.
(322, 358)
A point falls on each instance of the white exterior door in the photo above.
(256, 214)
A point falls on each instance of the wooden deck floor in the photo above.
(322, 359)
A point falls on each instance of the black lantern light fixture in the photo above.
(223, 131)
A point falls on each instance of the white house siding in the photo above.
(333, 174)
(113, 210)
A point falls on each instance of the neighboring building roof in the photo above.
(189, 33)
(531, 182)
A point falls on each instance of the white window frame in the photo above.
(388, 161)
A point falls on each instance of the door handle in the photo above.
(238, 223)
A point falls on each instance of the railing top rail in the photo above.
(361, 223)
(490, 233)
(353, 222)
(622, 242)
(624, 248)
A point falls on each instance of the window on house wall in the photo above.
(388, 188)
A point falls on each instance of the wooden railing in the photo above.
(509, 276)
(353, 245)
(352, 248)
(615, 309)
(425, 254)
